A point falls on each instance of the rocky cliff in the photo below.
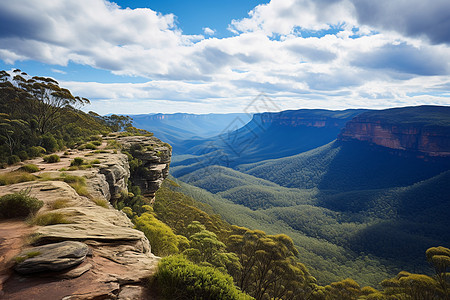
(94, 252)
(318, 118)
(153, 158)
(421, 131)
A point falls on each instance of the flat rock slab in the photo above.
(53, 257)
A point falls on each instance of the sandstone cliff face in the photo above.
(119, 258)
(307, 118)
(419, 139)
(155, 157)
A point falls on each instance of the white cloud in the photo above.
(269, 53)
(208, 31)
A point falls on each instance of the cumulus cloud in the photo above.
(413, 18)
(208, 31)
(362, 59)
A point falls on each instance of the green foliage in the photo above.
(439, 258)
(37, 113)
(29, 168)
(50, 218)
(164, 242)
(19, 204)
(59, 203)
(90, 146)
(269, 265)
(36, 151)
(77, 161)
(205, 248)
(347, 289)
(53, 158)
(117, 123)
(27, 255)
(178, 278)
(169, 203)
(16, 177)
(49, 142)
(101, 202)
(13, 159)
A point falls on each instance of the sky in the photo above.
(167, 56)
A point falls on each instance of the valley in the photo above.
(350, 197)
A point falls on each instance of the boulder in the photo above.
(53, 257)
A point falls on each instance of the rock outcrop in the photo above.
(96, 248)
(425, 133)
(154, 159)
(53, 257)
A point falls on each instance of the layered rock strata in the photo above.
(108, 258)
(418, 139)
(154, 157)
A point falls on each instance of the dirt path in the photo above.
(13, 236)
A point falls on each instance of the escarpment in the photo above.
(424, 135)
(92, 246)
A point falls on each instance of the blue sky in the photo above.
(217, 56)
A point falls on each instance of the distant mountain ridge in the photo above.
(178, 127)
(420, 130)
(274, 135)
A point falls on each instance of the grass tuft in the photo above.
(50, 218)
(16, 177)
(101, 202)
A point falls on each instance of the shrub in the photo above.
(96, 143)
(36, 151)
(128, 211)
(13, 159)
(50, 218)
(49, 143)
(77, 161)
(16, 177)
(78, 183)
(164, 241)
(51, 158)
(113, 144)
(178, 278)
(29, 168)
(23, 155)
(19, 204)
(94, 162)
(90, 146)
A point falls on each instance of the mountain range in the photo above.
(361, 188)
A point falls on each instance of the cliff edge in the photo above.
(93, 251)
(423, 131)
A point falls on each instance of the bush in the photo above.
(178, 278)
(51, 158)
(49, 143)
(90, 146)
(29, 168)
(19, 204)
(36, 151)
(23, 155)
(96, 143)
(164, 241)
(13, 159)
(77, 161)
